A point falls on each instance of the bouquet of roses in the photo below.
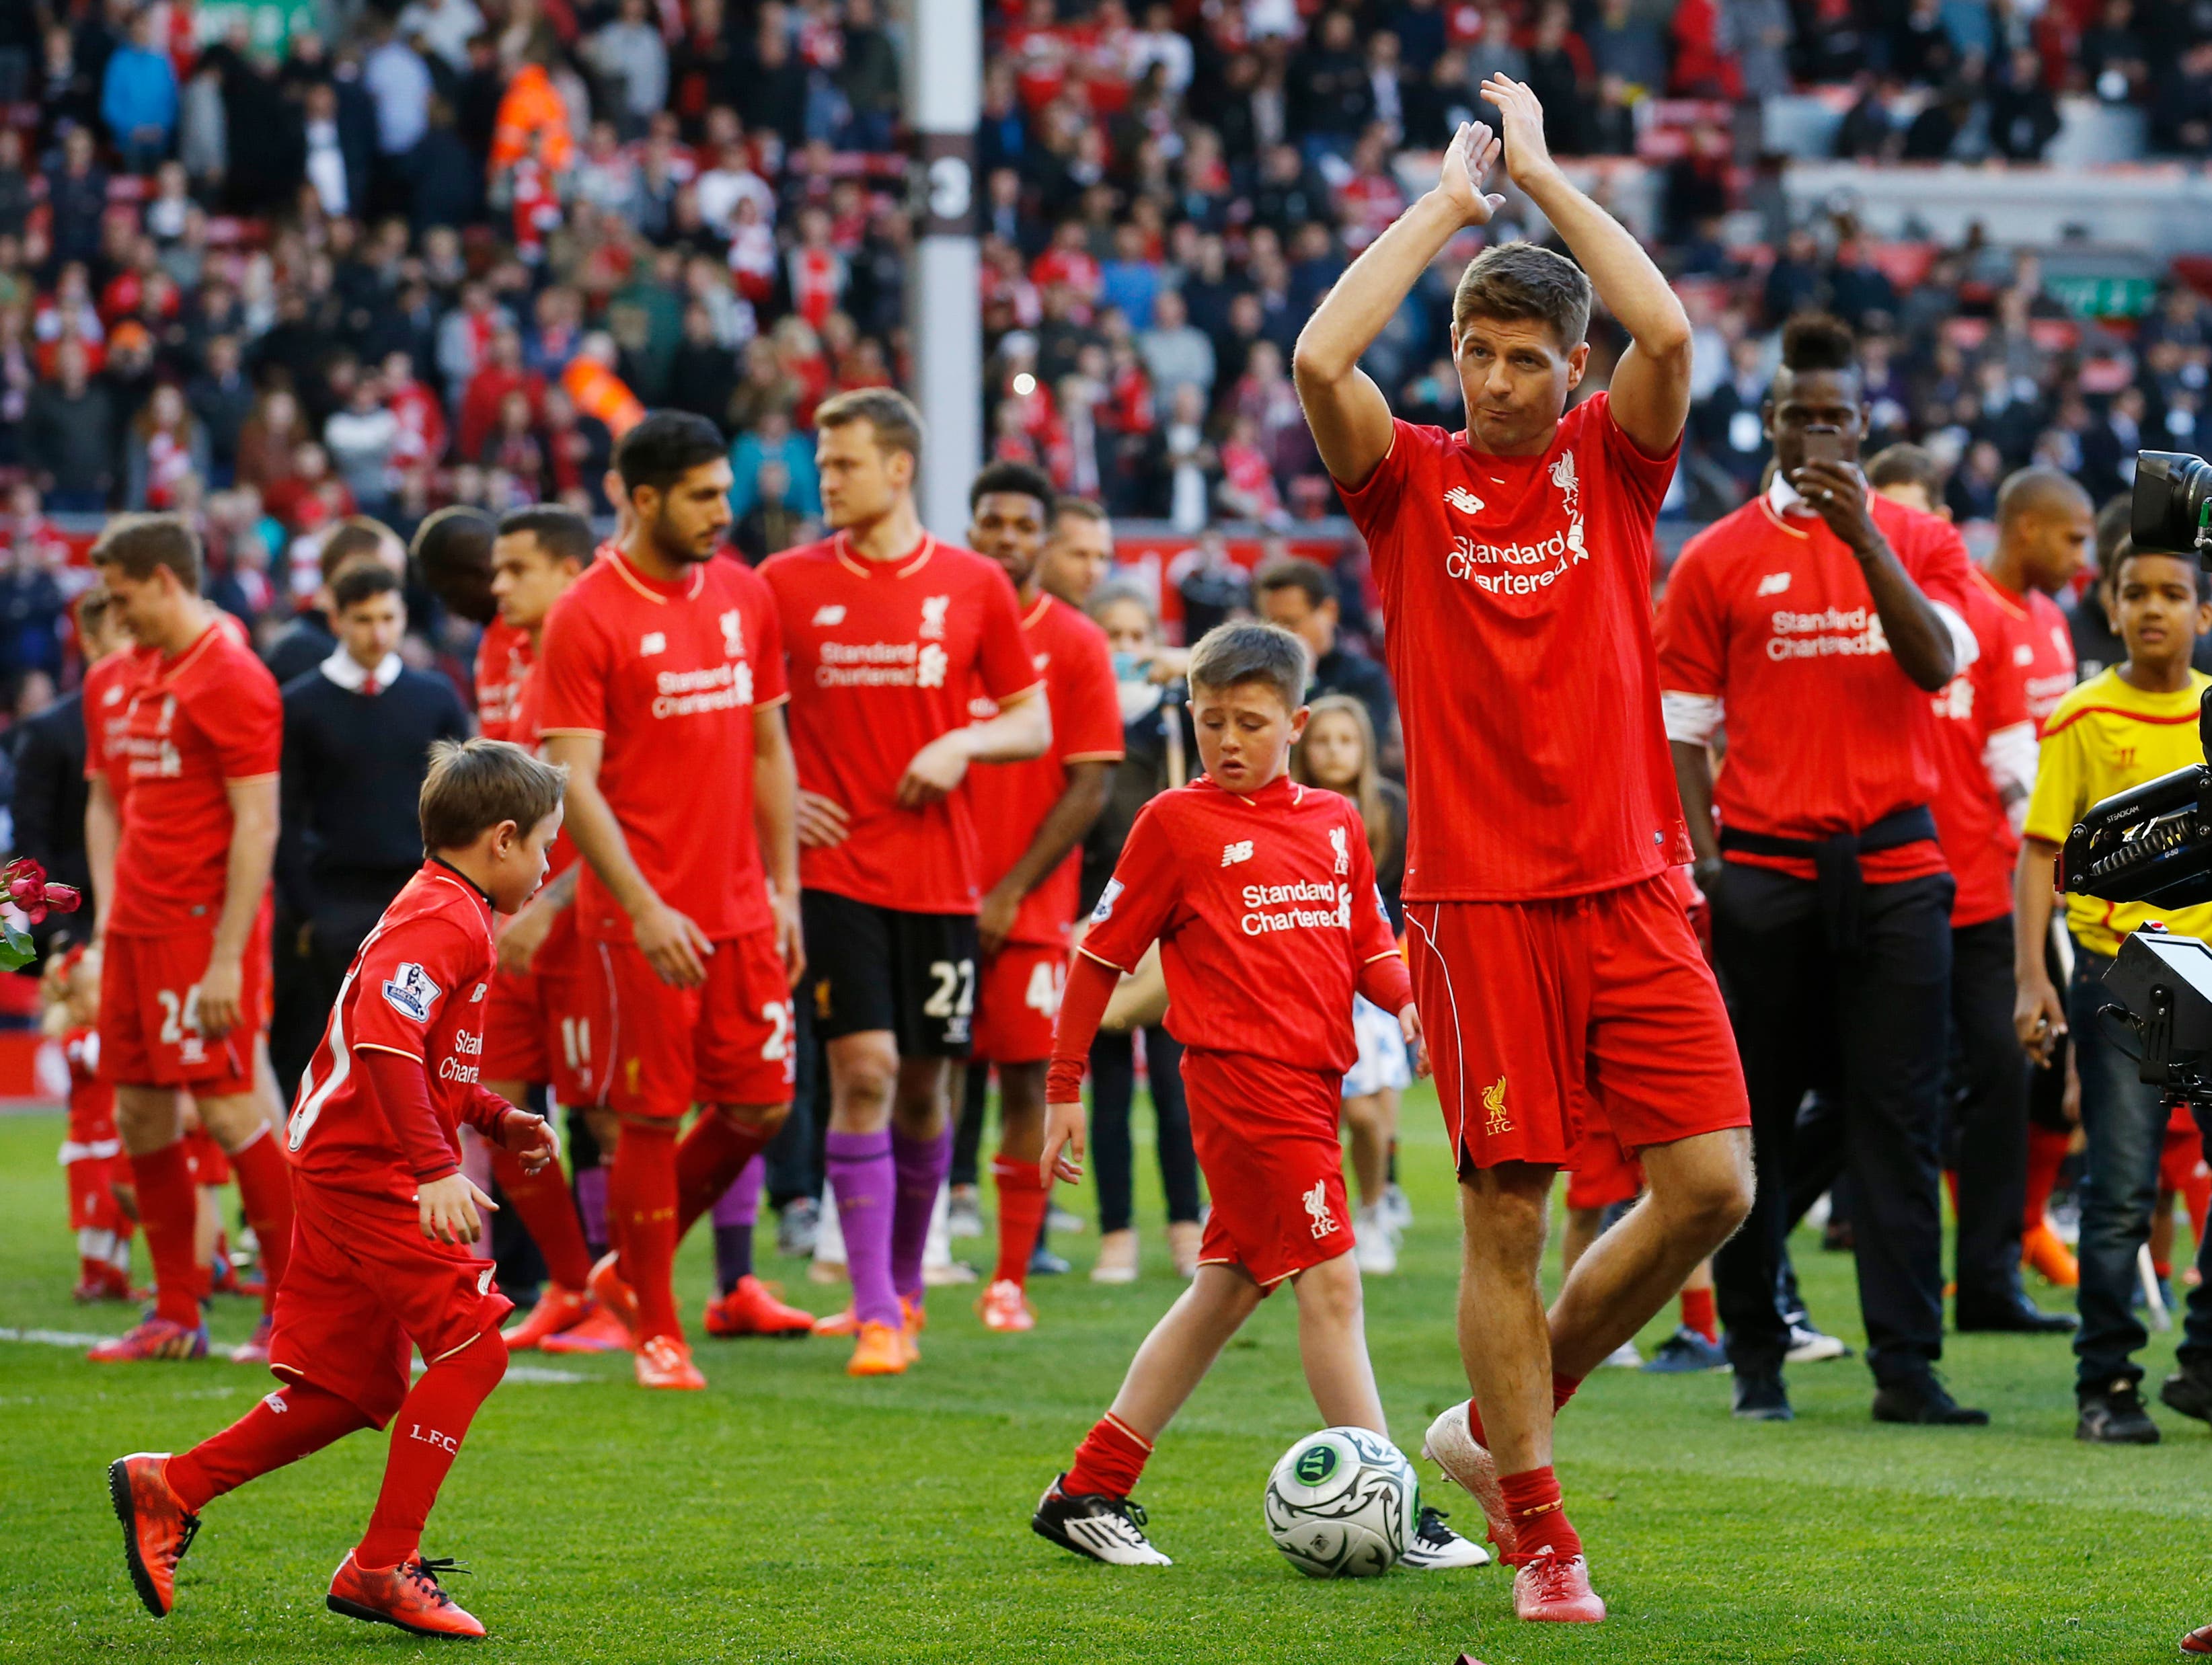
(29, 899)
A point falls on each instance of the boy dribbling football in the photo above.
(1262, 895)
(382, 1257)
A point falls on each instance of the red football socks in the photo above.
(169, 1207)
(264, 1186)
(1108, 1461)
(426, 1437)
(548, 1213)
(1539, 1518)
(2046, 1154)
(1563, 1389)
(1022, 1200)
(295, 1421)
(642, 1200)
(1698, 1314)
(707, 1163)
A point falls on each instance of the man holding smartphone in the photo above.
(1818, 624)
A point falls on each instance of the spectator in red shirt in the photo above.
(503, 373)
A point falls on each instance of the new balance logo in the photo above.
(1233, 853)
(654, 641)
(1317, 1209)
(833, 614)
(1464, 500)
(1774, 584)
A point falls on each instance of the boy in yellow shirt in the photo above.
(2132, 724)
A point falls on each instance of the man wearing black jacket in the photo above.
(358, 731)
(48, 799)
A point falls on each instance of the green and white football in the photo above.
(1342, 1503)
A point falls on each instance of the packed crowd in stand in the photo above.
(369, 339)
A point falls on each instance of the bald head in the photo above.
(2045, 525)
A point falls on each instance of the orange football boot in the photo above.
(1004, 1308)
(882, 1349)
(557, 1310)
(607, 1288)
(2041, 1252)
(600, 1332)
(665, 1362)
(406, 1597)
(157, 1528)
(751, 1309)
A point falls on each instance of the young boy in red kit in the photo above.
(381, 1260)
(1254, 887)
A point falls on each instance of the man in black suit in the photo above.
(358, 731)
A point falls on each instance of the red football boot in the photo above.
(152, 1338)
(406, 1597)
(1547, 1588)
(751, 1309)
(2198, 1641)
(614, 1296)
(663, 1361)
(157, 1529)
(254, 1349)
(600, 1332)
(557, 1310)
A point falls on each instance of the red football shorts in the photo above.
(1267, 1141)
(725, 1043)
(149, 1013)
(1017, 1002)
(1547, 1017)
(1603, 1174)
(538, 1028)
(363, 1285)
(209, 1165)
(2181, 1165)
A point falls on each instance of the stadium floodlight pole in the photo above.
(945, 104)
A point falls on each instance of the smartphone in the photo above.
(1824, 445)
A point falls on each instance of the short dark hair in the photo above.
(453, 549)
(1905, 464)
(2113, 524)
(665, 447)
(561, 534)
(363, 583)
(476, 784)
(1819, 341)
(135, 544)
(890, 413)
(1078, 508)
(2128, 552)
(2031, 490)
(1229, 655)
(1292, 572)
(353, 539)
(1012, 479)
(1524, 280)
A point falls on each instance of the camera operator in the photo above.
(1816, 621)
(2125, 726)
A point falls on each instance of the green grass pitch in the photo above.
(791, 1515)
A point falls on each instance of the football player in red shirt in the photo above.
(1261, 893)
(890, 634)
(1030, 818)
(1815, 622)
(1552, 958)
(1987, 735)
(183, 795)
(659, 683)
(383, 1264)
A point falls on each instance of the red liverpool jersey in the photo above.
(503, 660)
(1517, 596)
(416, 987)
(1265, 910)
(1986, 698)
(1010, 800)
(668, 676)
(1771, 616)
(2041, 647)
(525, 731)
(107, 705)
(190, 726)
(884, 657)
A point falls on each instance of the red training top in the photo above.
(503, 660)
(668, 676)
(2042, 654)
(1267, 916)
(1517, 594)
(417, 989)
(190, 727)
(1771, 617)
(1985, 699)
(885, 656)
(1010, 801)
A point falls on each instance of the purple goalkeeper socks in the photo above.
(592, 1208)
(923, 1164)
(866, 1185)
(734, 1217)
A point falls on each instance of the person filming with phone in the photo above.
(1816, 626)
